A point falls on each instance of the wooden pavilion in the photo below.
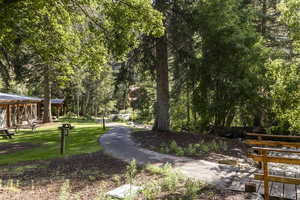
(60, 107)
(18, 109)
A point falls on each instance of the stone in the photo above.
(228, 162)
(124, 191)
(250, 187)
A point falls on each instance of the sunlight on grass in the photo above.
(82, 139)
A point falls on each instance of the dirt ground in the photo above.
(85, 176)
(155, 140)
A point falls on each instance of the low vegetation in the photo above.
(91, 176)
(200, 146)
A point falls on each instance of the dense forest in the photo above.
(177, 64)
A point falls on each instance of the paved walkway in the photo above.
(118, 143)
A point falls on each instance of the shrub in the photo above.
(131, 171)
(191, 150)
(192, 188)
(173, 146)
(179, 151)
(151, 191)
(165, 169)
(204, 148)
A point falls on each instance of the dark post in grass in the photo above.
(62, 142)
(65, 128)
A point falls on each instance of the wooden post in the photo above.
(8, 121)
(57, 111)
(65, 109)
(266, 174)
(18, 116)
(260, 153)
(62, 141)
(31, 112)
(13, 115)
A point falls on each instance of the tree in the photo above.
(53, 31)
(162, 120)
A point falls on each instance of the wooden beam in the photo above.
(266, 174)
(275, 159)
(278, 179)
(275, 150)
(273, 136)
(273, 143)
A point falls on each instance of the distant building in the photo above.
(18, 109)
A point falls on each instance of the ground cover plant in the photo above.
(45, 142)
(199, 146)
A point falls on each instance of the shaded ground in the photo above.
(6, 148)
(88, 175)
(156, 140)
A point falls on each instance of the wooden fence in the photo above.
(264, 147)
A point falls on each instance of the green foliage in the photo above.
(195, 149)
(192, 188)
(70, 43)
(151, 191)
(232, 62)
(170, 182)
(161, 170)
(229, 53)
(131, 171)
(285, 93)
(291, 17)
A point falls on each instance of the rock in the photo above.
(124, 191)
(228, 162)
(250, 187)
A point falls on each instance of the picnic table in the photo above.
(5, 133)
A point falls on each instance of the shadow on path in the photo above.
(118, 143)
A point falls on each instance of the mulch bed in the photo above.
(88, 176)
(6, 148)
(155, 140)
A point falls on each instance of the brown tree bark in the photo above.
(264, 17)
(47, 117)
(162, 119)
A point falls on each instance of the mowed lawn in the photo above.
(82, 139)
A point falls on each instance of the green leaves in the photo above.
(65, 34)
(285, 92)
(226, 73)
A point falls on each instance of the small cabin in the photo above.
(18, 109)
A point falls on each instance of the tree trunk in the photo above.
(103, 118)
(86, 105)
(188, 107)
(47, 117)
(264, 17)
(78, 107)
(162, 120)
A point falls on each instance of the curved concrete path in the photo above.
(118, 143)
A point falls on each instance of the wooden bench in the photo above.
(6, 134)
(260, 153)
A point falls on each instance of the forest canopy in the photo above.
(183, 64)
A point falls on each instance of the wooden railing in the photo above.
(264, 158)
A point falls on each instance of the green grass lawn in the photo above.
(82, 139)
